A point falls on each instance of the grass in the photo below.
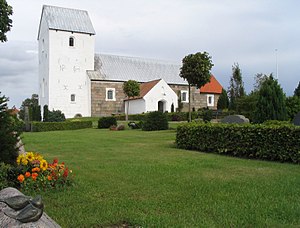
(143, 179)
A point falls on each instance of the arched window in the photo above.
(71, 41)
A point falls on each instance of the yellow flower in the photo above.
(19, 159)
(43, 165)
(39, 157)
(30, 156)
(24, 161)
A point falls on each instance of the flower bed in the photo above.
(38, 174)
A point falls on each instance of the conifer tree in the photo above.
(236, 86)
(223, 101)
(297, 90)
(271, 102)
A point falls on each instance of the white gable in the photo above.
(160, 92)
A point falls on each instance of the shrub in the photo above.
(275, 143)
(207, 115)
(59, 126)
(9, 133)
(154, 121)
(106, 122)
(4, 175)
(56, 116)
(277, 123)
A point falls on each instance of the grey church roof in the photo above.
(122, 68)
(65, 19)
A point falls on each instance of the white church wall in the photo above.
(67, 72)
(135, 106)
(161, 92)
(43, 45)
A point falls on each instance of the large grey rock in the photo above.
(296, 120)
(235, 119)
(44, 222)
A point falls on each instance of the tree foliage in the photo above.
(259, 79)
(132, 89)
(196, 70)
(34, 111)
(271, 102)
(223, 101)
(236, 86)
(246, 105)
(297, 90)
(292, 106)
(10, 131)
(5, 22)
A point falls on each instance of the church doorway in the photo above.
(161, 106)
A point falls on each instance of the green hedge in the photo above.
(58, 126)
(155, 121)
(178, 116)
(275, 143)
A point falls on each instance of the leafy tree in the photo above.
(292, 106)
(236, 86)
(10, 131)
(32, 103)
(5, 22)
(271, 102)
(223, 101)
(132, 89)
(196, 70)
(297, 90)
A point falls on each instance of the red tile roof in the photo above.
(145, 88)
(212, 87)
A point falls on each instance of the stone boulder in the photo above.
(235, 119)
(44, 222)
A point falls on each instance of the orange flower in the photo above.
(27, 174)
(21, 178)
(34, 176)
(36, 169)
(49, 178)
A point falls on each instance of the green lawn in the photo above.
(141, 178)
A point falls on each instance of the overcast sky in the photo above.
(231, 31)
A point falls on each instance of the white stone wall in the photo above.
(43, 45)
(63, 70)
(161, 92)
(135, 106)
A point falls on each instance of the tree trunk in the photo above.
(190, 114)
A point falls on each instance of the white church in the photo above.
(75, 80)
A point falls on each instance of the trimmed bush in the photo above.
(274, 143)
(106, 122)
(154, 121)
(59, 126)
(56, 116)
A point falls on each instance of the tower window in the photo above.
(72, 97)
(71, 41)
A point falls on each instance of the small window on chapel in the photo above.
(72, 97)
(110, 94)
(71, 41)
